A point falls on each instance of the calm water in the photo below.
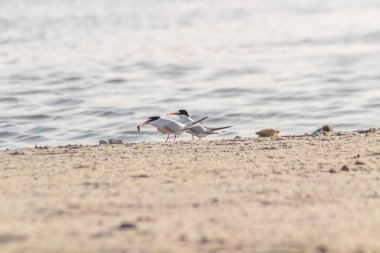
(77, 71)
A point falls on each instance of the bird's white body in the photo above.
(167, 126)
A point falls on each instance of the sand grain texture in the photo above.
(283, 194)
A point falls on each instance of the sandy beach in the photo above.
(283, 194)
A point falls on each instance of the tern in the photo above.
(198, 130)
(167, 126)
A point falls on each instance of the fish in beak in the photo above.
(151, 119)
(141, 125)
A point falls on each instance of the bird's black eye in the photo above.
(183, 112)
(153, 118)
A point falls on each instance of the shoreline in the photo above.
(237, 137)
(103, 141)
(279, 194)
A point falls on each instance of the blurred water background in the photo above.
(77, 71)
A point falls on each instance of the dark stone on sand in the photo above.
(360, 163)
(327, 128)
(127, 226)
(102, 142)
(345, 168)
(204, 240)
(237, 138)
(214, 200)
(195, 205)
(140, 176)
(41, 147)
(8, 238)
(332, 171)
(182, 238)
(115, 141)
(322, 249)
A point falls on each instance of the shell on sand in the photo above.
(268, 132)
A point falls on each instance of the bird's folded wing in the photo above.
(198, 129)
(172, 127)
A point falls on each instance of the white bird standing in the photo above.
(198, 130)
(167, 126)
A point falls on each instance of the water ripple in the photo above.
(251, 64)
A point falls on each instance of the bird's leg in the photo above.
(200, 138)
(192, 136)
(175, 136)
(167, 139)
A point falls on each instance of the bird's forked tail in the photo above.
(217, 128)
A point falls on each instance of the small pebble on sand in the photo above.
(327, 128)
(115, 141)
(268, 132)
(127, 226)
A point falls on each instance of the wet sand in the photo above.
(284, 194)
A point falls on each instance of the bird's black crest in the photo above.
(153, 118)
(183, 112)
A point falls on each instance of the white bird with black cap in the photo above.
(167, 126)
(198, 130)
